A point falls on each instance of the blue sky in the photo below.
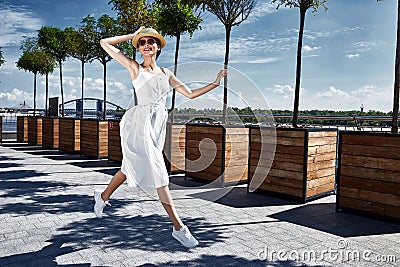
(348, 56)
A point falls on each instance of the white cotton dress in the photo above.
(142, 131)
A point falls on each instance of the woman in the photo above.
(143, 126)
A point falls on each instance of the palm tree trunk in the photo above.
(82, 85)
(104, 90)
(47, 94)
(178, 40)
(298, 69)
(395, 127)
(62, 90)
(227, 42)
(34, 94)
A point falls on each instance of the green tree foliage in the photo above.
(131, 14)
(53, 40)
(230, 13)
(174, 18)
(303, 6)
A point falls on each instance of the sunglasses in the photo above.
(148, 41)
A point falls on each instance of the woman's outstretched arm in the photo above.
(193, 93)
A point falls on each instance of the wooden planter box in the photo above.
(70, 137)
(296, 163)
(50, 138)
(174, 147)
(94, 138)
(369, 174)
(35, 131)
(22, 129)
(114, 141)
(224, 153)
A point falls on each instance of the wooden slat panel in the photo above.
(320, 189)
(368, 173)
(114, 141)
(371, 162)
(378, 151)
(386, 140)
(366, 195)
(371, 185)
(369, 207)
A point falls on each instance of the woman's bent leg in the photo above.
(101, 198)
(115, 182)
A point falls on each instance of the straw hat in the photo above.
(148, 32)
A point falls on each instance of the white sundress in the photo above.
(142, 131)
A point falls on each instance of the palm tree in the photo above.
(303, 5)
(174, 18)
(230, 13)
(53, 40)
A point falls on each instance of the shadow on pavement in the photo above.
(149, 233)
(323, 217)
(238, 197)
(225, 260)
(19, 174)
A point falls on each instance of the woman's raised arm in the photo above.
(108, 44)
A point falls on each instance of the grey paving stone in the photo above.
(48, 215)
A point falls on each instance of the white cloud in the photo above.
(332, 91)
(15, 22)
(283, 89)
(308, 48)
(8, 99)
(353, 55)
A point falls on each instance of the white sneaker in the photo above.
(185, 237)
(99, 204)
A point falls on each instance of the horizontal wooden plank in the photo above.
(320, 173)
(369, 207)
(321, 141)
(368, 173)
(321, 181)
(371, 140)
(370, 185)
(371, 162)
(322, 134)
(321, 165)
(321, 149)
(321, 157)
(366, 195)
(285, 149)
(314, 191)
(368, 151)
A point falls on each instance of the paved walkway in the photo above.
(46, 220)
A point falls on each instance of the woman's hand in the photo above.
(139, 30)
(221, 73)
